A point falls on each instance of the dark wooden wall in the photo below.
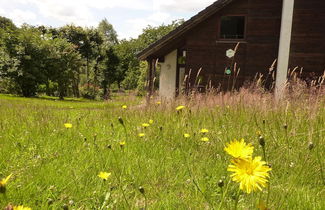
(308, 37)
(259, 49)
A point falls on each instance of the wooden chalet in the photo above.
(289, 31)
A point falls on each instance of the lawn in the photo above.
(55, 167)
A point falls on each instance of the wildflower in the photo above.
(124, 107)
(204, 130)
(205, 139)
(251, 173)
(141, 135)
(158, 102)
(21, 208)
(179, 108)
(104, 175)
(145, 125)
(122, 143)
(186, 135)
(150, 121)
(3, 184)
(68, 125)
(239, 149)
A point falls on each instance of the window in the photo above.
(232, 27)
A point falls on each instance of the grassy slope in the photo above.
(53, 166)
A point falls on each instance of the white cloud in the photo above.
(137, 25)
(182, 5)
(19, 16)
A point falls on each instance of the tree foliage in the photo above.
(72, 60)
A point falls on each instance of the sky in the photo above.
(128, 17)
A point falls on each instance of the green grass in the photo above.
(54, 167)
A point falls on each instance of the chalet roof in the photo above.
(182, 29)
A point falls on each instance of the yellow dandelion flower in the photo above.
(179, 108)
(158, 102)
(239, 149)
(21, 208)
(251, 173)
(150, 121)
(104, 175)
(68, 125)
(145, 125)
(4, 181)
(205, 139)
(124, 107)
(186, 135)
(3, 184)
(203, 130)
(141, 135)
(122, 143)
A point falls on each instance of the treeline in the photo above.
(71, 60)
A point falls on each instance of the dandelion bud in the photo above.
(3, 189)
(65, 207)
(141, 190)
(121, 120)
(261, 141)
(311, 145)
(221, 183)
(50, 201)
(285, 126)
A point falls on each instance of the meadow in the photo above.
(150, 163)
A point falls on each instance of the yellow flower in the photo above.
(124, 107)
(122, 143)
(21, 208)
(4, 181)
(203, 130)
(145, 125)
(186, 135)
(239, 149)
(205, 139)
(179, 108)
(141, 134)
(251, 173)
(68, 125)
(158, 102)
(150, 121)
(104, 175)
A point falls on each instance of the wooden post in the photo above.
(149, 79)
(284, 48)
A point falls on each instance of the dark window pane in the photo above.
(232, 27)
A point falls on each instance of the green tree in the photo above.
(107, 31)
